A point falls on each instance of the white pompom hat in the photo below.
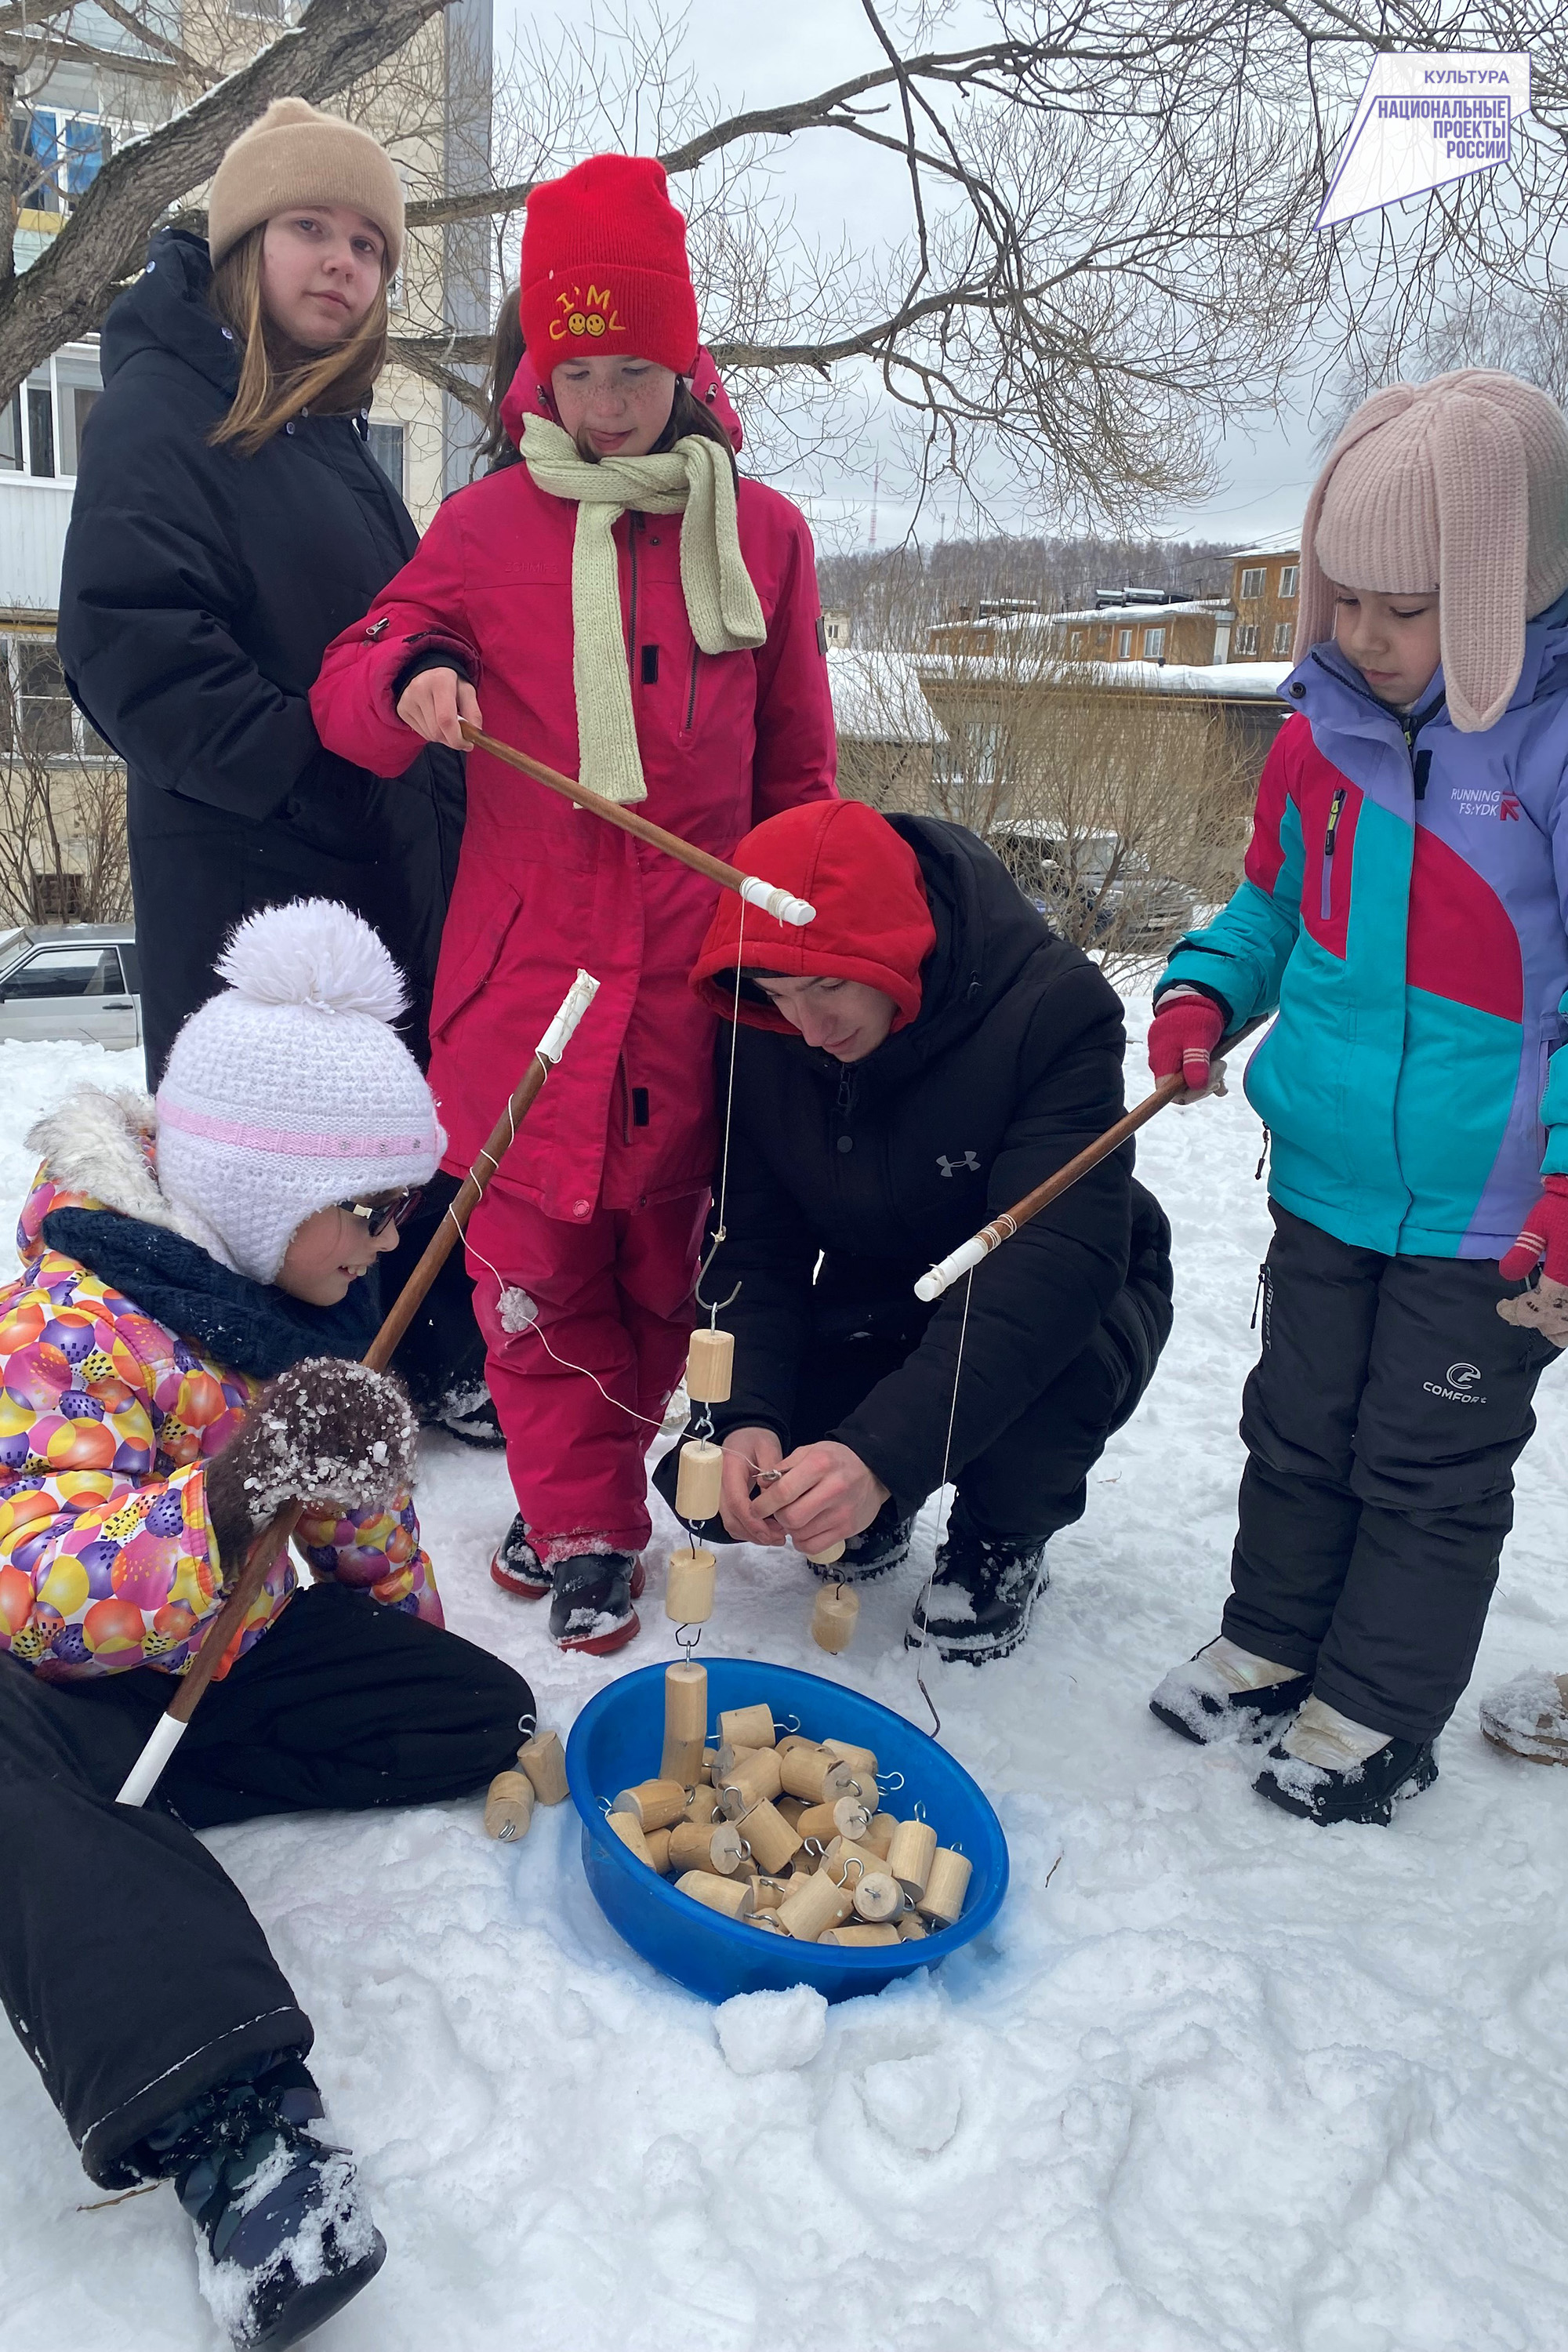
(291, 1089)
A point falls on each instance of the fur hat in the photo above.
(291, 1089)
(294, 155)
(1460, 484)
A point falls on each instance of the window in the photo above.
(57, 898)
(59, 155)
(65, 971)
(1123, 644)
(38, 717)
(1252, 581)
(1283, 632)
(1246, 638)
(1289, 575)
(386, 449)
(41, 426)
(1153, 645)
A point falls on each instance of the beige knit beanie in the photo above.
(293, 155)
(1460, 484)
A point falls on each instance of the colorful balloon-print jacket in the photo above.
(108, 1419)
(1404, 911)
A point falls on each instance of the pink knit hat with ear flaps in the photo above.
(1461, 485)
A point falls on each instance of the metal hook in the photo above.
(815, 1846)
(843, 1880)
(918, 1811)
(791, 1724)
(891, 1782)
(528, 1724)
(605, 1806)
(707, 1304)
(683, 1643)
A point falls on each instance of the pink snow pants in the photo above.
(614, 1296)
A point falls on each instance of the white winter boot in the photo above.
(1226, 1689)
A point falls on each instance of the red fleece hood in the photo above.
(873, 923)
(527, 395)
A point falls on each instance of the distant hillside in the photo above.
(893, 595)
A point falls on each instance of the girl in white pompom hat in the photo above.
(178, 1356)
(1404, 919)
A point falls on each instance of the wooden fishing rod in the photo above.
(269, 1545)
(1001, 1228)
(780, 904)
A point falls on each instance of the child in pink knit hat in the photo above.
(1403, 919)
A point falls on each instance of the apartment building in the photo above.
(1266, 582)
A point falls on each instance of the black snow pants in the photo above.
(1382, 1424)
(1032, 1480)
(132, 1968)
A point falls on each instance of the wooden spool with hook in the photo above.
(880, 1834)
(835, 1617)
(657, 1844)
(816, 1905)
(733, 1896)
(945, 1887)
(862, 1934)
(690, 1847)
(910, 1856)
(754, 1779)
(772, 1841)
(685, 1720)
(862, 1761)
(508, 1806)
(879, 1897)
(747, 1726)
(655, 1803)
(829, 1558)
(814, 1774)
(703, 1805)
(688, 1585)
(542, 1760)
(710, 1366)
(699, 1480)
(629, 1829)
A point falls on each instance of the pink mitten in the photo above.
(1544, 1234)
(1183, 1034)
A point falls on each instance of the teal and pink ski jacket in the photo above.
(1404, 912)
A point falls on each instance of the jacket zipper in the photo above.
(633, 524)
(691, 691)
(1335, 807)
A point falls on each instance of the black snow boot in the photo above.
(470, 1414)
(884, 1545)
(1225, 1690)
(1329, 1768)
(982, 1590)
(283, 2239)
(591, 1601)
(517, 1568)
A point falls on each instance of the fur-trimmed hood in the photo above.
(99, 1148)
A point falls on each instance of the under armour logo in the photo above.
(968, 1161)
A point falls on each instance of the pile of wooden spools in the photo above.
(786, 1834)
(699, 1484)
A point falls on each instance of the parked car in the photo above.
(71, 982)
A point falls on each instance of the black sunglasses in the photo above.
(379, 1214)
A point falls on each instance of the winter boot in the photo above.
(283, 2239)
(469, 1416)
(1328, 1768)
(883, 1546)
(516, 1566)
(982, 1590)
(591, 1601)
(1225, 1689)
(1529, 1717)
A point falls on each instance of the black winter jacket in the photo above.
(200, 590)
(1013, 1065)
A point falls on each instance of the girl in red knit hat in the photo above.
(624, 606)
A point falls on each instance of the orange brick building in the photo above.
(1265, 594)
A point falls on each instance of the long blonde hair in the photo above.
(337, 382)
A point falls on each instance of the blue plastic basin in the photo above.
(615, 1742)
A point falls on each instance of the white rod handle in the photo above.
(145, 1773)
(941, 1277)
(573, 1004)
(777, 902)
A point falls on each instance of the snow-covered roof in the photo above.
(877, 698)
(1284, 542)
(1120, 615)
(1213, 681)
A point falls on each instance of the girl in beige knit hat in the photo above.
(230, 518)
(1404, 922)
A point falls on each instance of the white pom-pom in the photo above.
(313, 952)
(517, 1310)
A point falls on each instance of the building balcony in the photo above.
(34, 514)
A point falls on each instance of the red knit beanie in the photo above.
(603, 267)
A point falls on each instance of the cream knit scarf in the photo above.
(695, 480)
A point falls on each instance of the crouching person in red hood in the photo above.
(914, 1060)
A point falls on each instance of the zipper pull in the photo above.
(1258, 1294)
(1262, 1160)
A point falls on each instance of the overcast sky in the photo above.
(759, 52)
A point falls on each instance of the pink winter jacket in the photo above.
(542, 886)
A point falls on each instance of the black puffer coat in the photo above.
(1012, 1066)
(200, 590)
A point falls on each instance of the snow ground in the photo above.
(1227, 2084)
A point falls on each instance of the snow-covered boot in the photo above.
(591, 1601)
(1529, 1717)
(1223, 1689)
(516, 1566)
(1328, 1768)
(283, 2238)
(884, 1545)
(469, 1416)
(982, 1590)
